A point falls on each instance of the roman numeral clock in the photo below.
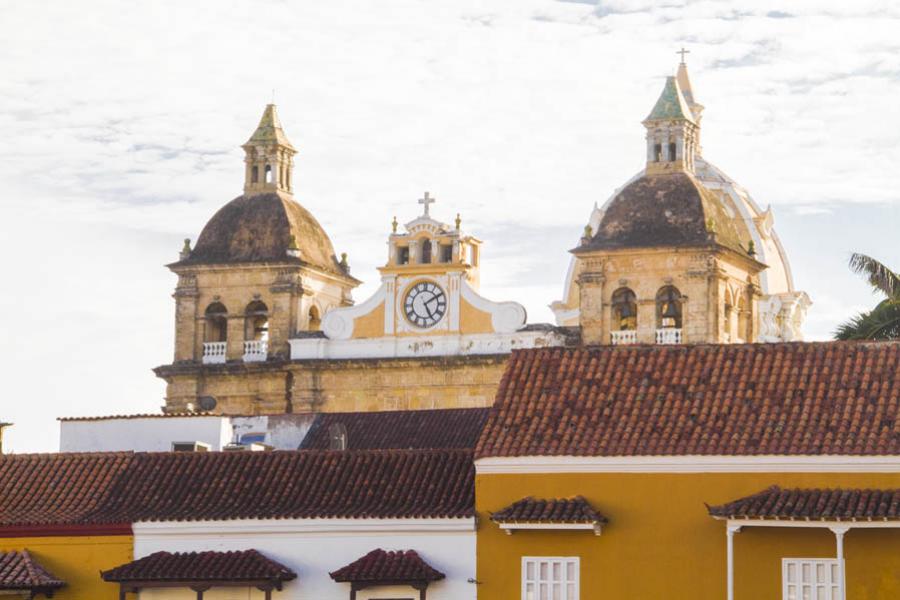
(425, 304)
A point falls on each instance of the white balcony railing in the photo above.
(214, 353)
(669, 335)
(625, 336)
(256, 350)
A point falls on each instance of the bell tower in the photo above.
(269, 157)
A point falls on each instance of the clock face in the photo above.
(425, 304)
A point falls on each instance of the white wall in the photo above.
(314, 547)
(150, 434)
(156, 434)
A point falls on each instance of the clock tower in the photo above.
(428, 303)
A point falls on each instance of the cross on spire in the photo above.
(682, 52)
(426, 201)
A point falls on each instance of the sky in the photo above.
(121, 125)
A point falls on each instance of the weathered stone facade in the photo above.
(279, 386)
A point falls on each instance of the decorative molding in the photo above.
(687, 464)
(506, 317)
(290, 526)
(337, 323)
(422, 345)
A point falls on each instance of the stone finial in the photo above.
(587, 235)
(751, 248)
(394, 225)
(711, 225)
(185, 250)
(293, 248)
(344, 264)
(458, 221)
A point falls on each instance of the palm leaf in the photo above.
(880, 323)
(878, 274)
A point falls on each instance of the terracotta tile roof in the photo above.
(554, 510)
(381, 566)
(19, 571)
(814, 504)
(244, 565)
(102, 488)
(438, 428)
(837, 398)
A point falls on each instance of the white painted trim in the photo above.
(293, 526)
(835, 526)
(688, 464)
(510, 527)
(506, 317)
(423, 345)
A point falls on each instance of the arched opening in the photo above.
(215, 334)
(624, 307)
(287, 178)
(668, 308)
(216, 329)
(256, 321)
(657, 152)
(426, 251)
(315, 320)
(672, 151)
(254, 174)
(268, 173)
(256, 332)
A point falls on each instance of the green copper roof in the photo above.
(269, 129)
(671, 104)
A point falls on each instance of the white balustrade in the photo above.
(669, 335)
(256, 350)
(625, 336)
(214, 353)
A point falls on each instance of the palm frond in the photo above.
(880, 323)
(878, 274)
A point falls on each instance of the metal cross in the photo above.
(682, 52)
(426, 201)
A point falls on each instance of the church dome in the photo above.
(264, 228)
(669, 209)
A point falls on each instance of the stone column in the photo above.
(590, 286)
(188, 343)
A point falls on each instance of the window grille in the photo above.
(550, 578)
(811, 579)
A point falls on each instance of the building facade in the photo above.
(700, 471)
(681, 253)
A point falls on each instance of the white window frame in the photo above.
(832, 582)
(565, 561)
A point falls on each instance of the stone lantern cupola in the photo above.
(269, 157)
(672, 132)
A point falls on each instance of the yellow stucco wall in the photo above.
(473, 320)
(370, 325)
(661, 543)
(78, 560)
